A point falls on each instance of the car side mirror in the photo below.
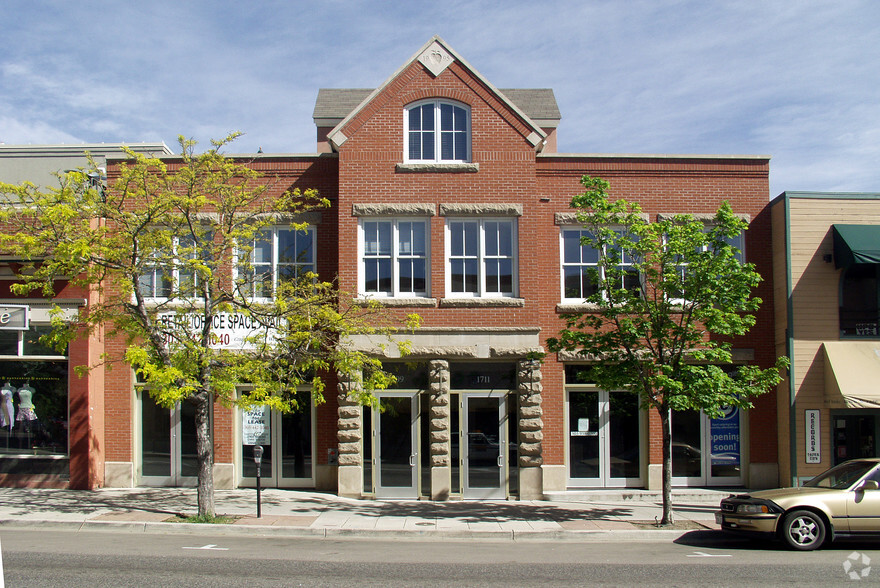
(869, 485)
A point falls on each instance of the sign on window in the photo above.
(255, 426)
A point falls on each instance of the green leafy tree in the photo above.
(667, 299)
(167, 253)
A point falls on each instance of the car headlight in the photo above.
(752, 509)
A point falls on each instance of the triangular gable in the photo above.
(436, 56)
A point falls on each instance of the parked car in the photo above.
(843, 501)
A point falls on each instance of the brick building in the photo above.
(450, 200)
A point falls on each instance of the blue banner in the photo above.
(725, 437)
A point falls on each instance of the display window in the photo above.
(33, 405)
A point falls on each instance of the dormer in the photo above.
(535, 108)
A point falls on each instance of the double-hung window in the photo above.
(174, 276)
(583, 273)
(481, 256)
(737, 242)
(277, 254)
(156, 281)
(394, 257)
(437, 131)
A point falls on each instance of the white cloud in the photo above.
(18, 132)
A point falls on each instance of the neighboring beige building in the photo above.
(826, 276)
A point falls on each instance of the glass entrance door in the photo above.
(706, 452)
(288, 446)
(484, 440)
(604, 439)
(167, 444)
(396, 431)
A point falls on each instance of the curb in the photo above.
(530, 536)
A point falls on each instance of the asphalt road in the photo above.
(96, 559)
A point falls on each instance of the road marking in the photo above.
(210, 546)
(704, 554)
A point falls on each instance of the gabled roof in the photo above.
(435, 56)
(334, 104)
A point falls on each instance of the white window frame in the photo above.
(158, 274)
(598, 265)
(437, 131)
(482, 257)
(248, 288)
(395, 257)
(741, 256)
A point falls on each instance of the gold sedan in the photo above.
(843, 501)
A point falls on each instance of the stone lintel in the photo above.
(481, 209)
(707, 218)
(392, 209)
(571, 218)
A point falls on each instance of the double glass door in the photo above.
(479, 445)
(287, 442)
(604, 439)
(707, 452)
(167, 444)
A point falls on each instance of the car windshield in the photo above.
(842, 476)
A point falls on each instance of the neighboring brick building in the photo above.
(449, 200)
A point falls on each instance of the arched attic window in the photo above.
(437, 131)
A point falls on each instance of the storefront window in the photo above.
(33, 405)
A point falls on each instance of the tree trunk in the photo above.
(204, 453)
(667, 464)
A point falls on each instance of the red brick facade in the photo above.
(366, 169)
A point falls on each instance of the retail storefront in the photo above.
(34, 400)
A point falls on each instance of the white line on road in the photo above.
(210, 546)
(704, 554)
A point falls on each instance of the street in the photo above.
(47, 557)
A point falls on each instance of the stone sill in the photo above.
(399, 302)
(567, 308)
(455, 168)
(482, 302)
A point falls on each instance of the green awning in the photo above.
(856, 244)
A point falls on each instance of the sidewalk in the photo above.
(590, 515)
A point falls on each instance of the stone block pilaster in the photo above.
(531, 429)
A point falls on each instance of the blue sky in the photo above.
(796, 80)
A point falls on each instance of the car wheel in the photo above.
(803, 530)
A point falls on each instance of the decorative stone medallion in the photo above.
(435, 59)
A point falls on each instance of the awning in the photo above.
(856, 244)
(852, 371)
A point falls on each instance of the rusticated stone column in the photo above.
(531, 429)
(350, 477)
(438, 389)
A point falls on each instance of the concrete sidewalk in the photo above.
(579, 516)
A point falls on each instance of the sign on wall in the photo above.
(14, 317)
(229, 330)
(814, 454)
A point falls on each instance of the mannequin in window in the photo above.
(7, 410)
(25, 404)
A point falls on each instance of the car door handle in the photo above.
(500, 460)
(412, 459)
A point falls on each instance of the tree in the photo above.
(170, 253)
(668, 296)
